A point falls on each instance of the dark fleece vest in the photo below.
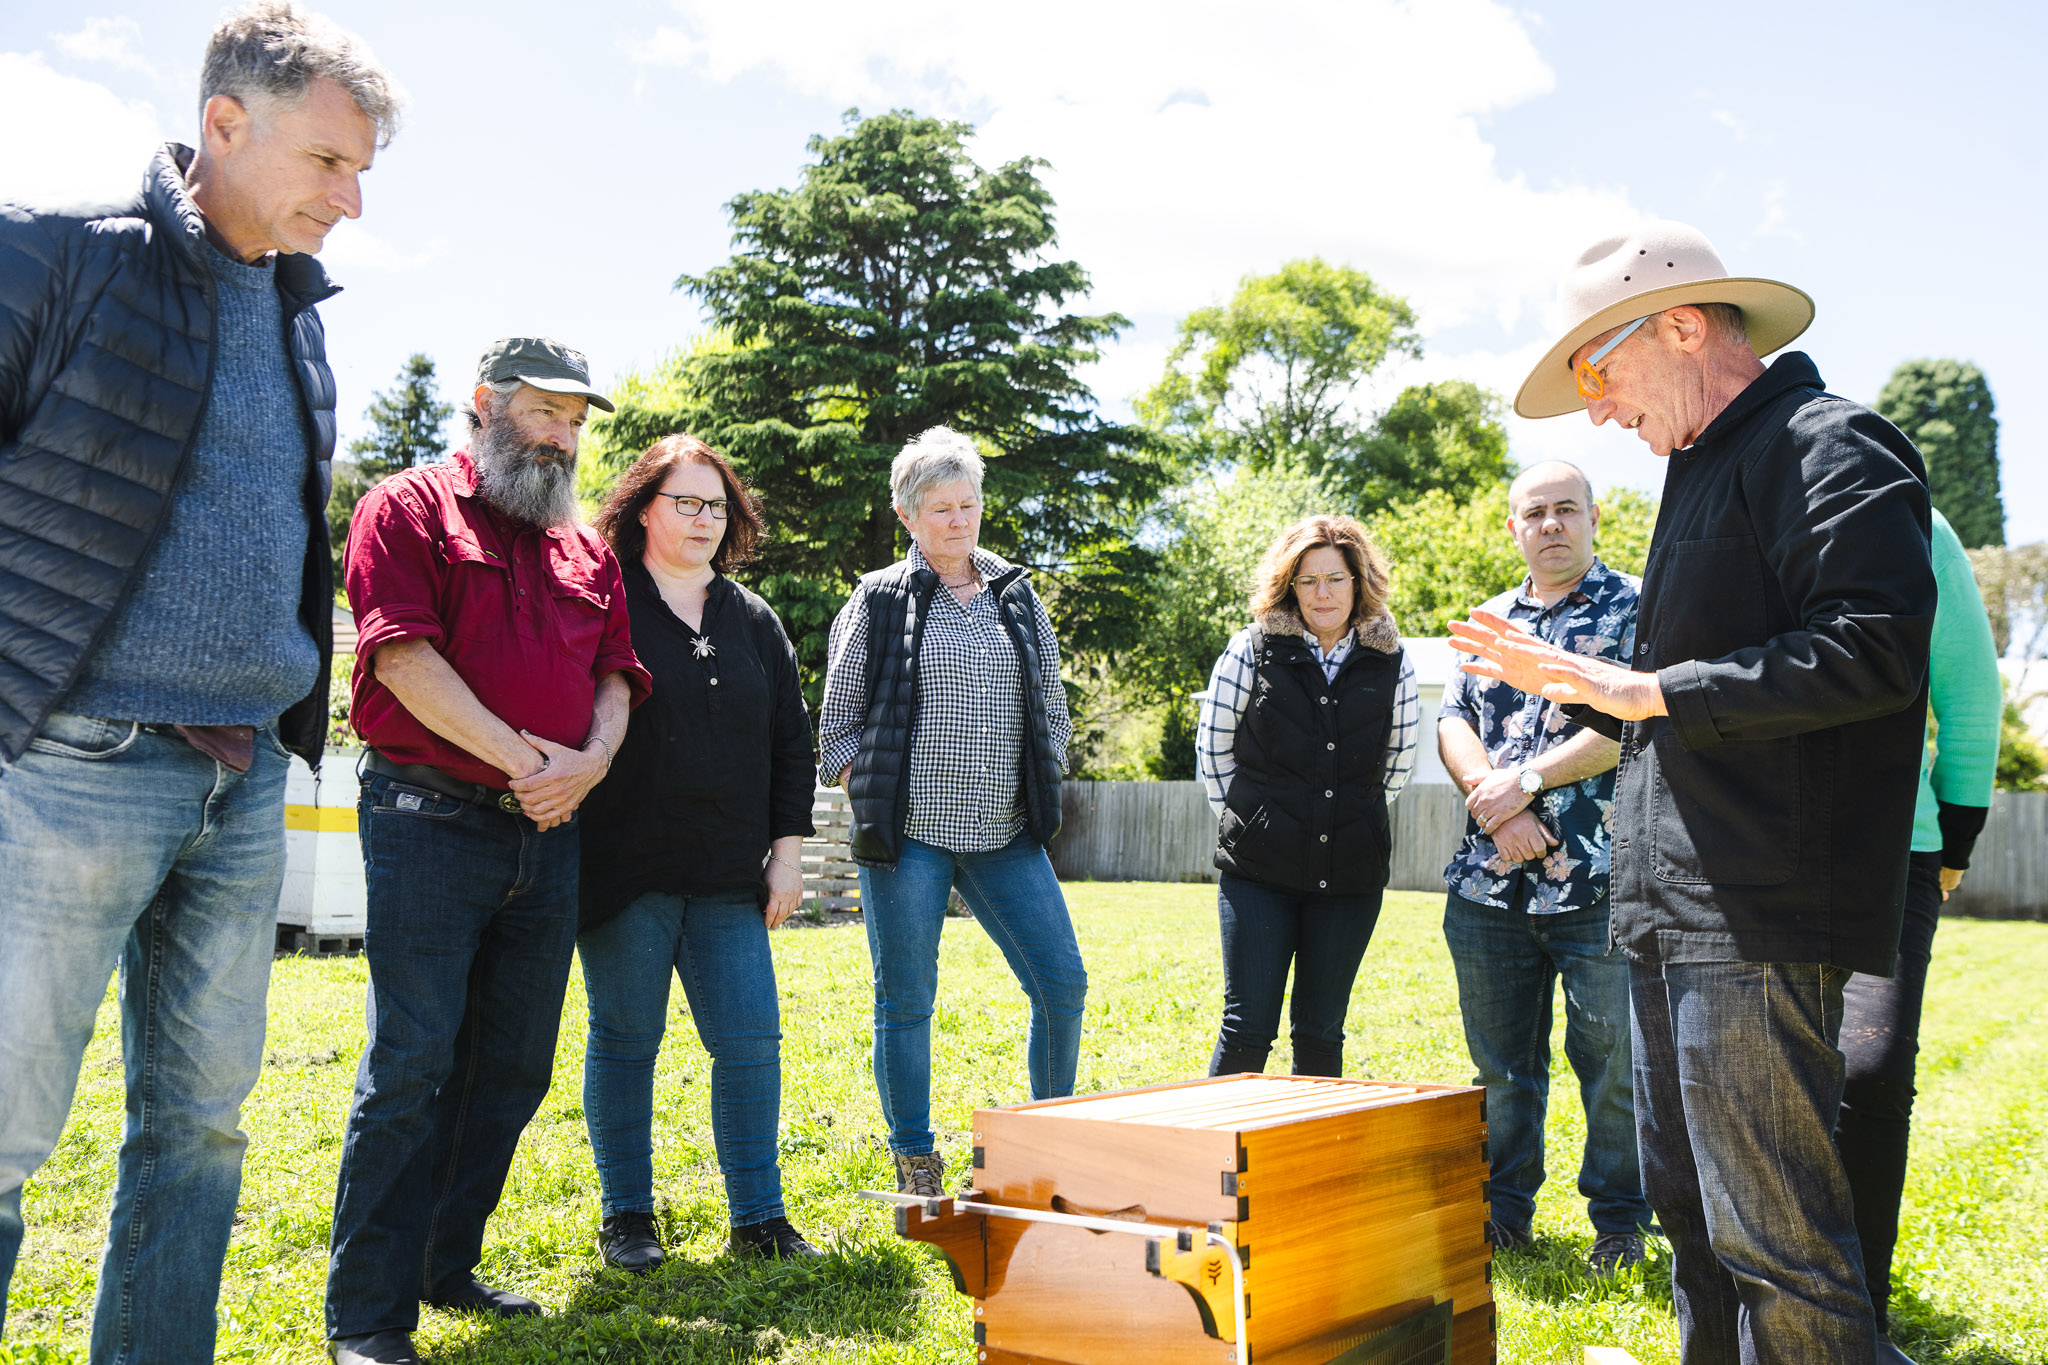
(1307, 808)
(897, 603)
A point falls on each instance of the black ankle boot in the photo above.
(772, 1237)
(627, 1242)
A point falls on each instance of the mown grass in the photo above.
(1971, 1283)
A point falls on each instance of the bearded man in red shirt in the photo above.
(494, 673)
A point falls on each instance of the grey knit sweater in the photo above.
(211, 634)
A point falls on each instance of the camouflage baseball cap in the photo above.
(541, 362)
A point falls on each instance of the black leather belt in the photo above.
(434, 780)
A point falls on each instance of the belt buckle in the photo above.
(509, 803)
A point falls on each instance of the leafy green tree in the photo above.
(1945, 407)
(2022, 762)
(1447, 435)
(406, 423)
(898, 287)
(1271, 376)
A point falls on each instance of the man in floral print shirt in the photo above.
(1528, 886)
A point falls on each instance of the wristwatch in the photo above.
(1530, 780)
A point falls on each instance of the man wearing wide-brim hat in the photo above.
(1771, 732)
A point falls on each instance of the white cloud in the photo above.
(114, 41)
(1190, 146)
(1776, 221)
(1733, 124)
(106, 140)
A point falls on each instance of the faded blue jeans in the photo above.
(1738, 1082)
(471, 925)
(1016, 900)
(718, 946)
(1509, 963)
(124, 843)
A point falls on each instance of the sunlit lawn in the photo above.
(1973, 1284)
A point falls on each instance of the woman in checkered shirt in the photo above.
(1306, 735)
(945, 721)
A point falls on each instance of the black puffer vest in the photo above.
(897, 600)
(1307, 808)
(106, 362)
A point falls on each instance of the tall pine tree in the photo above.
(406, 422)
(898, 287)
(1945, 407)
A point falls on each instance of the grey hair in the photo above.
(940, 455)
(500, 387)
(1726, 319)
(274, 49)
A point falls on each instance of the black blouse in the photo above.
(716, 763)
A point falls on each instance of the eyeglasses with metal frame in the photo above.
(1592, 383)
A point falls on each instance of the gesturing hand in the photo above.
(552, 795)
(1505, 651)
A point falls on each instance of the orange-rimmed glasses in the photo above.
(1592, 383)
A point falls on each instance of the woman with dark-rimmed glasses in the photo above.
(691, 849)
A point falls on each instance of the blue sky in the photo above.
(561, 166)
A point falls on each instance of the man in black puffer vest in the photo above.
(166, 422)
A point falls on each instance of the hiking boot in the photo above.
(1615, 1251)
(923, 1175)
(1502, 1237)
(772, 1238)
(627, 1241)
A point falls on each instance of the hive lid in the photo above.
(1233, 1102)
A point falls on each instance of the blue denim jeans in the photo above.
(1738, 1082)
(718, 947)
(1267, 929)
(472, 922)
(1016, 899)
(1508, 962)
(125, 844)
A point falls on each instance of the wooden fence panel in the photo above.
(1164, 832)
(2009, 870)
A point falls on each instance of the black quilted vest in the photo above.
(878, 789)
(1307, 808)
(106, 361)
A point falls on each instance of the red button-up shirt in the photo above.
(530, 619)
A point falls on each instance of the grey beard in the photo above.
(517, 484)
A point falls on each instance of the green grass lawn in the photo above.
(1973, 1284)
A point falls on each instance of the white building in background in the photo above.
(1435, 661)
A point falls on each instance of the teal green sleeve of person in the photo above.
(1964, 702)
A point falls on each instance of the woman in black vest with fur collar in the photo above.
(1306, 736)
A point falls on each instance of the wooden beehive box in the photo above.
(1357, 1205)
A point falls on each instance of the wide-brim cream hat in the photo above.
(1656, 266)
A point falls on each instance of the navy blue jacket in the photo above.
(106, 361)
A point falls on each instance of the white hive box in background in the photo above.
(322, 905)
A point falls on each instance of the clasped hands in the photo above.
(1504, 651)
(560, 779)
